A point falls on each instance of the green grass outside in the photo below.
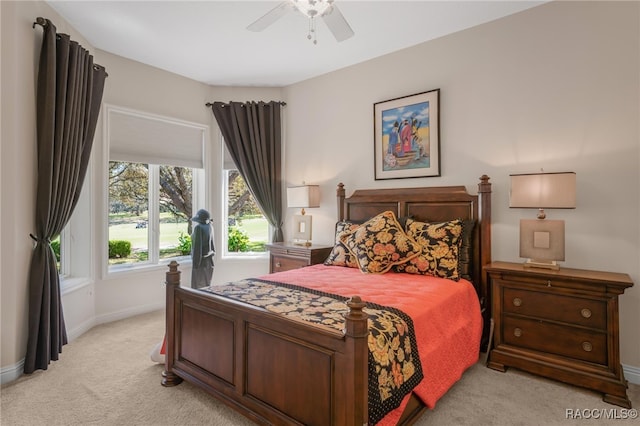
(125, 229)
(169, 233)
(256, 228)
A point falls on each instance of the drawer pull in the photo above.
(278, 264)
(586, 313)
(587, 346)
(548, 283)
(517, 301)
(518, 332)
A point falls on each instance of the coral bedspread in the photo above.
(445, 313)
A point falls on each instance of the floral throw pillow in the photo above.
(440, 249)
(340, 255)
(380, 243)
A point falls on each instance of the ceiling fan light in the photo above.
(312, 8)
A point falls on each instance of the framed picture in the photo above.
(407, 136)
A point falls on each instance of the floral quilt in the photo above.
(394, 364)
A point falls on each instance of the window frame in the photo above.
(65, 253)
(198, 187)
(224, 212)
(153, 227)
(76, 254)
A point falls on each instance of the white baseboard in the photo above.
(12, 372)
(81, 329)
(126, 313)
(631, 373)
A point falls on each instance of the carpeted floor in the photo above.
(105, 377)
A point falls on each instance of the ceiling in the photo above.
(208, 41)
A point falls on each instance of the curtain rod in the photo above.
(208, 104)
(39, 21)
(44, 22)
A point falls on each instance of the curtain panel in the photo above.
(252, 132)
(69, 95)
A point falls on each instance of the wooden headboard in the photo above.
(433, 204)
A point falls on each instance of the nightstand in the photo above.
(559, 324)
(285, 256)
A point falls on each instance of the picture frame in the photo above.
(407, 136)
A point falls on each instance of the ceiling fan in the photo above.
(312, 9)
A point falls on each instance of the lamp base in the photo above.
(304, 243)
(543, 264)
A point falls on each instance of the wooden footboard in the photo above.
(271, 369)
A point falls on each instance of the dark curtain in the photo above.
(69, 94)
(252, 133)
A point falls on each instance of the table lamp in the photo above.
(542, 240)
(305, 196)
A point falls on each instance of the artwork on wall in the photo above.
(407, 136)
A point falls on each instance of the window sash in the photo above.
(153, 227)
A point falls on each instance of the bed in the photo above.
(277, 370)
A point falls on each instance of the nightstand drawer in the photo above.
(285, 256)
(281, 263)
(569, 309)
(556, 339)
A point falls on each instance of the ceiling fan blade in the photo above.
(270, 17)
(338, 26)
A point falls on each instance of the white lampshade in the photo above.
(543, 191)
(306, 196)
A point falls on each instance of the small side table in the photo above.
(286, 255)
(559, 324)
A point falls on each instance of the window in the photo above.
(155, 185)
(73, 247)
(247, 230)
(149, 211)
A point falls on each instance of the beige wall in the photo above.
(556, 86)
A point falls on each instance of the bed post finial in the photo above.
(173, 275)
(357, 324)
(340, 194)
(484, 181)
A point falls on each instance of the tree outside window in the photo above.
(247, 228)
(149, 211)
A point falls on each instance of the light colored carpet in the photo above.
(105, 377)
